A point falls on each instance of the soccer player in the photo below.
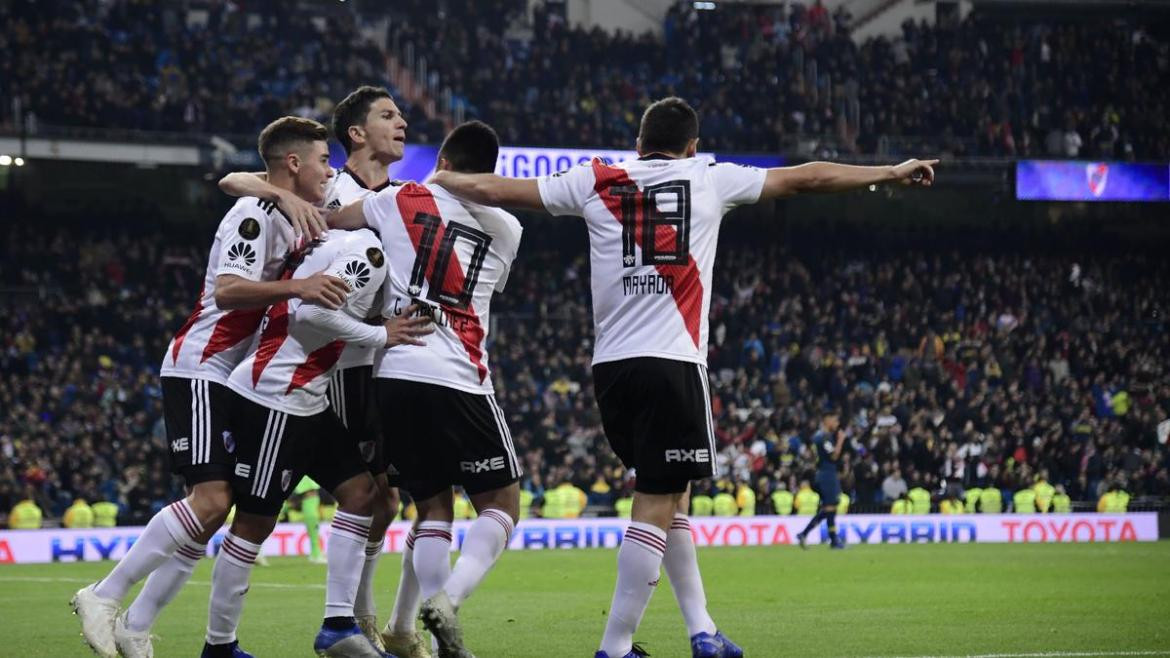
(241, 280)
(449, 430)
(653, 225)
(827, 441)
(284, 430)
(372, 129)
(307, 496)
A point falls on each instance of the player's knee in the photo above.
(357, 495)
(211, 502)
(253, 527)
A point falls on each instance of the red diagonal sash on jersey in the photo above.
(276, 331)
(688, 287)
(191, 319)
(412, 200)
(229, 330)
(273, 336)
(322, 359)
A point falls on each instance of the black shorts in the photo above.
(657, 416)
(442, 436)
(274, 450)
(196, 415)
(351, 397)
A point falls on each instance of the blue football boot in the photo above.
(345, 643)
(635, 652)
(216, 651)
(705, 645)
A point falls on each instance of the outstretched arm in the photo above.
(492, 190)
(833, 177)
(306, 218)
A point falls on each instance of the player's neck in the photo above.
(370, 169)
(283, 180)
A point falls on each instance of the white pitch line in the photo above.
(204, 583)
(1055, 654)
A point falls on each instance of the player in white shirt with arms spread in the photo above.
(371, 128)
(653, 226)
(450, 256)
(241, 280)
(284, 430)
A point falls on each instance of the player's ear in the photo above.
(357, 134)
(638, 146)
(443, 164)
(692, 147)
(292, 160)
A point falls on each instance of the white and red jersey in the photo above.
(344, 188)
(653, 228)
(451, 256)
(250, 245)
(300, 343)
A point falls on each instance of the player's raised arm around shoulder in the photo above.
(306, 218)
(834, 177)
(491, 190)
(349, 217)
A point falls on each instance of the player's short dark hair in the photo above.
(287, 133)
(471, 148)
(352, 111)
(668, 126)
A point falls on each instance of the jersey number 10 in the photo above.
(461, 290)
(658, 209)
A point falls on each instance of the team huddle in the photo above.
(354, 353)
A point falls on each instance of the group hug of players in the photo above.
(354, 353)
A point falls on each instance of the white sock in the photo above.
(363, 605)
(639, 560)
(682, 567)
(407, 599)
(344, 553)
(162, 585)
(174, 525)
(485, 541)
(229, 584)
(432, 556)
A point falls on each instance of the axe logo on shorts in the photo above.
(698, 456)
(482, 465)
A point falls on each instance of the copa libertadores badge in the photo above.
(249, 229)
(375, 257)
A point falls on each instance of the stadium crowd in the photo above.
(983, 87)
(181, 67)
(956, 370)
(1054, 88)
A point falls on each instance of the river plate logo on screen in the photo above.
(1097, 175)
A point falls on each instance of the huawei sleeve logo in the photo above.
(242, 251)
(356, 274)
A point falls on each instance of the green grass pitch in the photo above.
(893, 600)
